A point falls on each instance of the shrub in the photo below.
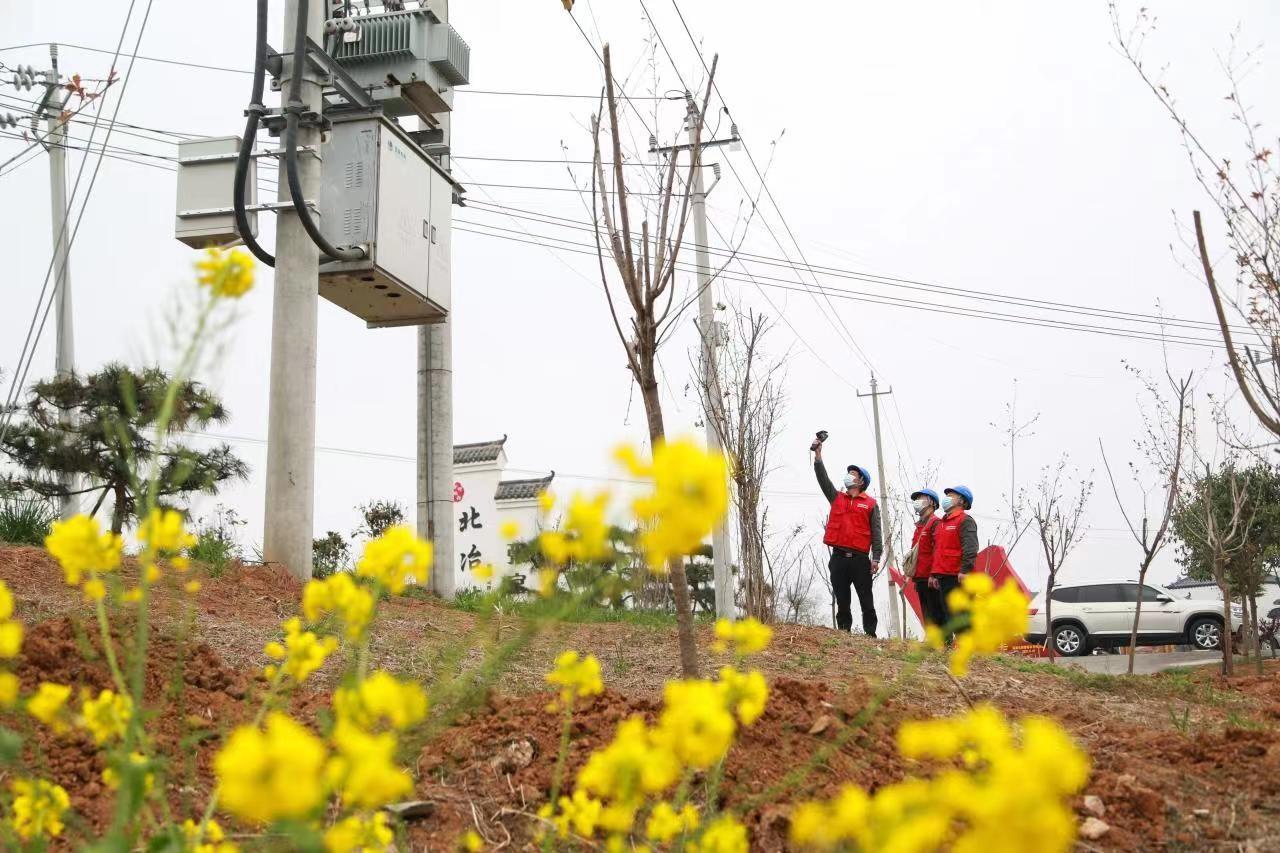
(329, 554)
(216, 545)
(377, 517)
(26, 520)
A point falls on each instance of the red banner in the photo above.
(993, 561)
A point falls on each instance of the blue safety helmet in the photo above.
(928, 493)
(962, 491)
(866, 475)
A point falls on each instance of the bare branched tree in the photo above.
(743, 402)
(1057, 512)
(644, 273)
(1246, 197)
(1168, 432)
(789, 580)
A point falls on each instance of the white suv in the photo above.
(1099, 614)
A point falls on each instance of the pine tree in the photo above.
(112, 433)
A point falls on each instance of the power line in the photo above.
(143, 58)
(913, 284)
(20, 373)
(879, 299)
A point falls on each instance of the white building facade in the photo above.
(483, 500)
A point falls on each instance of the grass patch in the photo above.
(478, 601)
(1176, 683)
(26, 521)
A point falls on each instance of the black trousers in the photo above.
(946, 583)
(930, 603)
(852, 569)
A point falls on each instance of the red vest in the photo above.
(849, 525)
(947, 550)
(925, 536)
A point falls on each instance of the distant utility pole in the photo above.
(55, 143)
(708, 328)
(895, 623)
(291, 418)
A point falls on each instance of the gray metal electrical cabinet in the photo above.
(380, 191)
(206, 178)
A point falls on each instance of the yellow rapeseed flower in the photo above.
(665, 823)
(94, 590)
(546, 501)
(9, 687)
(548, 580)
(10, 628)
(509, 530)
(80, 547)
(364, 770)
(49, 705)
(996, 617)
(38, 807)
(381, 699)
(212, 840)
(579, 814)
(132, 595)
(359, 834)
(394, 557)
(695, 722)
(163, 531)
(746, 636)
(483, 571)
(272, 773)
(302, 652)
(192, 587)
(576, 676)
(340, 595)
(722, 835)
(471, 842)
(690, 494)
(584, 534)
(111, 776)
(744, 693)
(1002, 788)
(227, 273)
(635, 764)
(107, 716)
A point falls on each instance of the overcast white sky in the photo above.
(1001, 147)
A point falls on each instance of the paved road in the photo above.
(1143, 664)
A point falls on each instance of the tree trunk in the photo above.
(1228, 654)
(1246, 645)
(1048, 618)
(675, 566)
(1252, 615)
(1137, 613)
(118, 511)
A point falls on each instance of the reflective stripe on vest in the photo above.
(849, 524)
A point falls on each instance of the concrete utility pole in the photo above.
(435, 430)
(56, 144)
(720, 545)
(895, 622)
(291, 419)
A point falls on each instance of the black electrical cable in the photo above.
(254, 115)
(293, 111)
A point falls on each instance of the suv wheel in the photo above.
(1205, 633)
(1070, 640)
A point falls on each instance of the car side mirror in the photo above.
(1164, 599)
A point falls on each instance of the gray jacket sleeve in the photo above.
(877, 534)
(824, 481)
(968, 543)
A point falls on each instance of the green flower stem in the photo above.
(104, 627)
(714, 781)
(562, 756)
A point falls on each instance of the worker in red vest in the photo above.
(955, 544)
(926, 503)
(856, 541)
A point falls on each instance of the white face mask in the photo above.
(849, 481)
(947, 503)
(921, 504)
